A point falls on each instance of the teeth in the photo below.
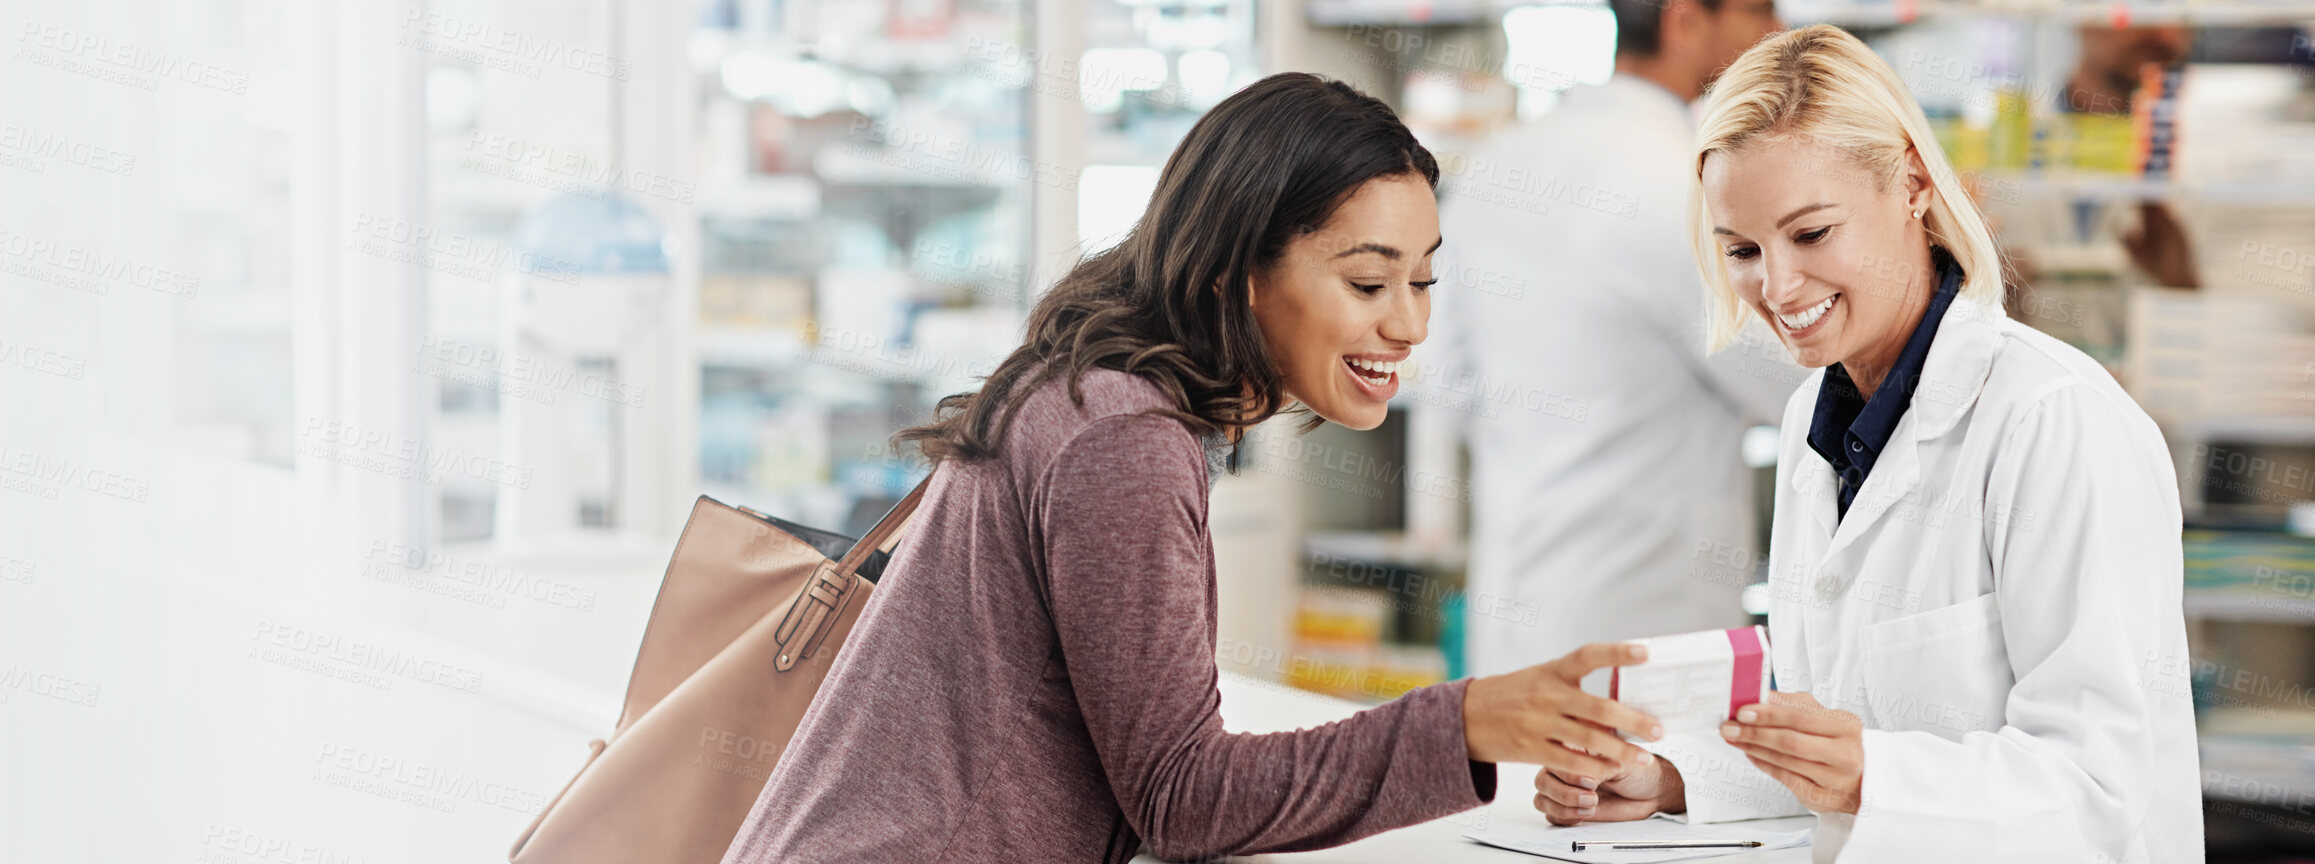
(1806, 317)
(1383, 371)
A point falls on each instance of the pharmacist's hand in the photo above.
(1568, 798)
(1815, 751)
(1541, 715)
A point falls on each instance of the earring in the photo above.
(1916, 214)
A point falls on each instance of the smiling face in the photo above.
(1825, 251)
(1345, 304)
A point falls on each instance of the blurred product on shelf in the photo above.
(2250, 575)
(2222, 361)
(755, 301)
(1339, 649)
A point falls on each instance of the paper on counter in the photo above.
(1553, 842)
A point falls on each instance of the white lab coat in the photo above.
(1610, 498)
(2001, 606)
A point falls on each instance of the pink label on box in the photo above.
(1744, 687)
(1692, 682)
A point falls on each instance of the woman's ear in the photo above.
(1920, 192)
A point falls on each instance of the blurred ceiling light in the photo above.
(1557, 47)
(1106, 73)
(869, 95)
(706, 48)
(1432, 96)
(1205, 76)
(812, 89)
(748, 75)
(1174, 30)
(1110, 198)
(799, 88)
(453, 99)
(1204, 31)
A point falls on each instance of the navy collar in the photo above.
(1850, 432)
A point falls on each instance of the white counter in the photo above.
(1250, 705)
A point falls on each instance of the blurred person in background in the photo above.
(1611, 497)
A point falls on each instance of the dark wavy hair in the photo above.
(1171, 301)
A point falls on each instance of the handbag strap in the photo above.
(886, 534)
(806, 623)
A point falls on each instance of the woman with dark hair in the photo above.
(1034, 678)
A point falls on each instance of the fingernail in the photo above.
(1655, 731)
(1646, 757)
(1747, 715)
(1730, 731)
(1587, 800)
(1583, 811)
(1637, 652)
(1588, 782)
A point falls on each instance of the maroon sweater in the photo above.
(1034, 680)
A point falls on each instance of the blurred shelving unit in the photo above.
(862, 232)
(1379, 613)
(884, 189)
(2250, 576)
(1846, 13)
(1900, 12)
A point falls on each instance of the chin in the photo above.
(1362, 418)
(1813, 359)
(1818, 354)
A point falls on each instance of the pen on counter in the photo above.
(1596, 845)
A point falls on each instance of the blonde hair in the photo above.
(1821, 84)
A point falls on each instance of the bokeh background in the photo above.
(360, 359)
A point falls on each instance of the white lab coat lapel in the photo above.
(1895, 474)
(1813, 488)
(1951, 377)
(1813, 481)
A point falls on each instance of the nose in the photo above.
(1409, 318)
(1782, 280)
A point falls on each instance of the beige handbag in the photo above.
(748, 619)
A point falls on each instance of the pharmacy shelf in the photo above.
(2265, 576)
(2249, 604)
(2112, 187)
(1901, 12)
(749, 347)
(760, 197)
(2257, 754)
(1400, 13)
(1414, 13)
(2285, 430)
(1391, 548)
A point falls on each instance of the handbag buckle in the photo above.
(812, 613)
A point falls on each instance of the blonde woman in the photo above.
(1975, 552)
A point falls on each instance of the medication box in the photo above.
(1694, 681)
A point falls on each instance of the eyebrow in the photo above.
(1390, 252)
(1804, 211)
(1780, 223)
